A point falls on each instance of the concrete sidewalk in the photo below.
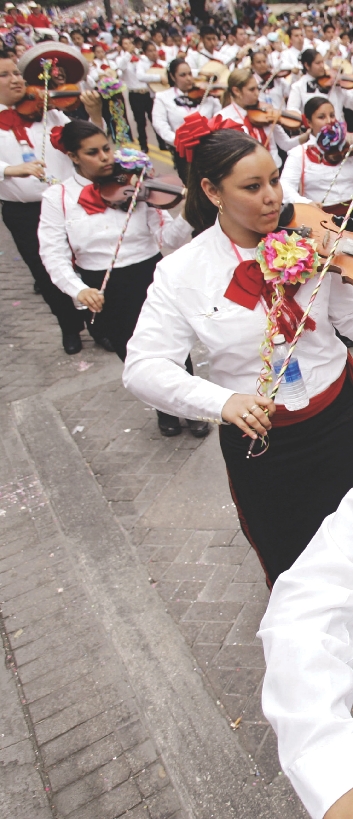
(130, 598)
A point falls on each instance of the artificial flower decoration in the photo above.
(332, 137)
(287, 259)
(108, 87)
(132, 160)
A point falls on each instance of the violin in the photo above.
(264, 115)
(66, 98)
(329, 80)
(273, 75)
(309, 221)
(164, 192)
(198, 91)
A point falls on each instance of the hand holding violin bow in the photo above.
(91, 298)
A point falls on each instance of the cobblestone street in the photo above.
(130, 598)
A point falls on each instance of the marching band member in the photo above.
(277, 90)
(148, 60)
(76, 222)
(308, 170)
(22, 183)
(308, 86)
(308, 688)
(211, 290)
(172, 106)
(243, 91)
(101, 64)
(291, 55)
(207, 52)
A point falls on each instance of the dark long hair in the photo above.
(307, 58)
(75, 132)
(214, 159)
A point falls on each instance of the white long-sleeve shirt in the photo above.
(127, 66)
(93, 238)
(276, 135)
(197, 59)
(305, 181)
(299, 96)
(187, 302)
(144, 65)
(167, 116)
(58, 165)
(307, 633)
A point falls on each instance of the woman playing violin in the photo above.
(172, 106)
(310, 169)
(277, 89)
(213, 290)
(243, 96)
(309, 86)
(77, 222)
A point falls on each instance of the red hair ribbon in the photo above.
(195, 127)
(56, 138)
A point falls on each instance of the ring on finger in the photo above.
(245, 415)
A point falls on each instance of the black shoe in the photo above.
(198, 428)
(72, 343)
(36, 288)
(105, 343)
(169, 425)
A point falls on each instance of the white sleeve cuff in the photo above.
(321, 777)
(3, 165)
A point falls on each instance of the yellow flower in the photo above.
(288, 255)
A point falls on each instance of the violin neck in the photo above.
(57, 95)
(164, 187)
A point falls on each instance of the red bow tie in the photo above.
(11, 120)
(90, 199)
(246, 288)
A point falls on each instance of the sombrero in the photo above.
(69, 58)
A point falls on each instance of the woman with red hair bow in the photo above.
(218, 289)
(78, 235)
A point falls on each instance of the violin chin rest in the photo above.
(286, 215)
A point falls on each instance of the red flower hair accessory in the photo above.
(195, 127)
(56, 138)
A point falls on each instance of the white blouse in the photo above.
(307, 633)
(299, 96)
(277, 136)
(187, 302)
(313, 179)
(167, 116)
(93, 238)
(58, 164)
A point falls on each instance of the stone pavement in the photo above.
(130, 598)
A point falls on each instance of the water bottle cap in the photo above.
(279, 339)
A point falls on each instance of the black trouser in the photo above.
(22, 219)
(125, 294)
(141, 106)
(123, 299)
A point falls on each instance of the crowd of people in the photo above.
(256, 112)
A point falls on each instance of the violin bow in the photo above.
(341, 165)
(122, 234)
(306, 313)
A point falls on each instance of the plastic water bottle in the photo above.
(292, 390)
(28, 154)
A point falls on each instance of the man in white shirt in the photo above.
(307, 634)
(235, 46)
(207, 52)
(21, 188)
(143, 103)
(324, 45)
(291, 57)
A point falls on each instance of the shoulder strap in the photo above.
(302, 175)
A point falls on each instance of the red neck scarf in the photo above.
(317, 157)
(90, 199)
(11, 120)
(248, 286)
(257, 133)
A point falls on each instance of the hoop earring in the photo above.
(220, 207)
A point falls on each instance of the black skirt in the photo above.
(124, 296)
(283, 496)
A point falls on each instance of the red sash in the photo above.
(285, 418)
